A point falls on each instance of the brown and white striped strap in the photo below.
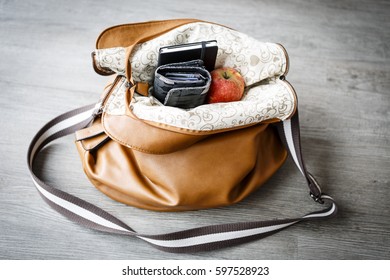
(196, 239)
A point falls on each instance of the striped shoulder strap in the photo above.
(196, 239)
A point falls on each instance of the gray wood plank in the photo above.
(340, 59)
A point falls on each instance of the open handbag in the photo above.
(144, 154)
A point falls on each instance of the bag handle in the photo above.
(192, 240)
(289, 132)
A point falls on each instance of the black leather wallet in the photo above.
(184, 85)
(205, 51)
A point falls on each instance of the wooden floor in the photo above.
(340, 61)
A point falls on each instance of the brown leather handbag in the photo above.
(162, 158)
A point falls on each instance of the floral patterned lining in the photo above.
(258, 62)
(255, 60)
(272, 98)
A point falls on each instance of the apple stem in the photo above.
(225, 75)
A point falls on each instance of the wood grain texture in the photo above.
(340, 61)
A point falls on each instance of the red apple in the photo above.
(227, 85)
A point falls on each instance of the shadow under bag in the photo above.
(144, 154)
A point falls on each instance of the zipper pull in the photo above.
(98, 110)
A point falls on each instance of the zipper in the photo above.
(99, 107)
(287, 59)
(100, 70)
(283, 80)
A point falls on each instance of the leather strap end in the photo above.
(142, 88)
